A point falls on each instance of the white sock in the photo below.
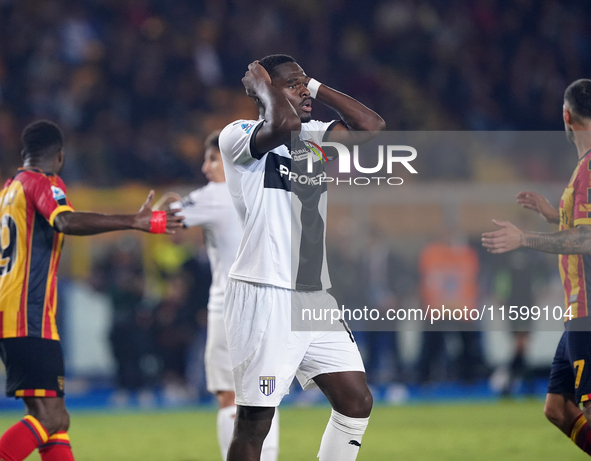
(226, 417)
(271, 444)
(342, 438)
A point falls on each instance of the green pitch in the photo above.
(477, 432)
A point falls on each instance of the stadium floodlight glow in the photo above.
(345, 158)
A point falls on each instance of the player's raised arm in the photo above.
(280, 117)
(576, 240)
(82, 223)
(540, 204)
(358, 124)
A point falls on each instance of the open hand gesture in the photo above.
(538, 203)
(508, 237)
(144, 217)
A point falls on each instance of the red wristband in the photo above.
(158, 222)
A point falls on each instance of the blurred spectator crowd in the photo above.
(138, 84)
(157, 336)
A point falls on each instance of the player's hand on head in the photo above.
(508, 237)
(255, 75)
(158, 222)
(538, 203)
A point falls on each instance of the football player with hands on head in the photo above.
(276, 186)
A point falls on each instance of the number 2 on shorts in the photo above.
(578, 365)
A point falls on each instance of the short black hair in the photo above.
(578, 95)
(213, 140)
(42, 139)
(273, 60)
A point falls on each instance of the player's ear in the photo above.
(566, 115)
(60, 158)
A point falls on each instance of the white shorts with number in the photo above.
(267, 355)
(218, 365)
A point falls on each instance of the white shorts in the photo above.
(267, 355)
(218, 365)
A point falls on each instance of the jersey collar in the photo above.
(35, 169)
(586, 153)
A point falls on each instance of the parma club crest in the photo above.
(267, 384)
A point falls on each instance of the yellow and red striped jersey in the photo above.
(30, 250)
(575, 209)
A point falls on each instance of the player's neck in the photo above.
(39, 164)
(583, 142)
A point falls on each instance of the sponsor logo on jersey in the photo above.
(58, 194)
(310, 149)
(247, 127)
(317, 150)
(301, 178)
(267, 384)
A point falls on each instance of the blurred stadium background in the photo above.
(138, 84)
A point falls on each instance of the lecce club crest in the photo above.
(267, 384)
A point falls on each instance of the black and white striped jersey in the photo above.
(281, 200)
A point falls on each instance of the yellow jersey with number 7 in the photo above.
(575, 210)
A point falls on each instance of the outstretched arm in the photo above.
(569, 241)
(81, 223)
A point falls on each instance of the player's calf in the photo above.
(44, 428)
(351, 401)
(50, 414)
(251, 427)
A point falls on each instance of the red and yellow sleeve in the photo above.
(50, 197)
(582, 195)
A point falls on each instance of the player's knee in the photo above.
(253, 422)
(358, 407)
(587, 412)
(365, 405)
(53, 419)
(65, 421)
(56, 421)
(554, 414)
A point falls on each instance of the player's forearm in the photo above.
(279, 113)
(554, 218)
(80, 223)
(355, 115)
(567, 242)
